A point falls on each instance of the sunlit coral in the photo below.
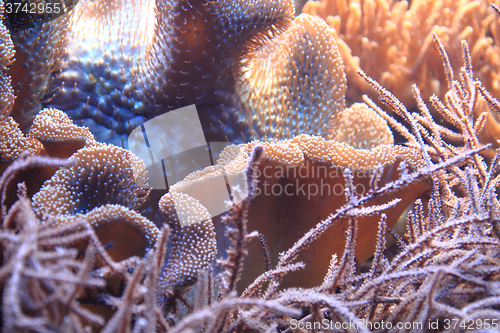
(295, 82)
(392, 42)
(360, 127)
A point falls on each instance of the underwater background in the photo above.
(249, 165)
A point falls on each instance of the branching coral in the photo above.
(35, 260)
(301, 182)
(447, 269)
(74, 256)
(392, 41)
(31, 172)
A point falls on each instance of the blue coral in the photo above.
(98, 95)
(196, 55)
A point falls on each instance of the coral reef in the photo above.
(360, 127)
(289, 233)
(99, 174)
(301, 181)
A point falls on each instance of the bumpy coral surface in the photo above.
(230, 58)
(101, 174)
(300, 182)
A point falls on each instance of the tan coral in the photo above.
(392, 42)
(59, 137)
(192, 243)
(58, 134)
(294, 82)
(293, 200)
(104, 174)
(12, 140)
(301, 182)
(360, 127)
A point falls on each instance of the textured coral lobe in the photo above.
(125, 232)
(301, 181)
(103, 174)
(192, 244)
(160, 57)
(294, 82)
(38, 56)
(58, 135)
(360, 127)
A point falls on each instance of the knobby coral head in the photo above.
(252, 70)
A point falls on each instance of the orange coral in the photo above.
(294, 82)
(392, 42)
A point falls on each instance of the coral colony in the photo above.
(235, 166)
